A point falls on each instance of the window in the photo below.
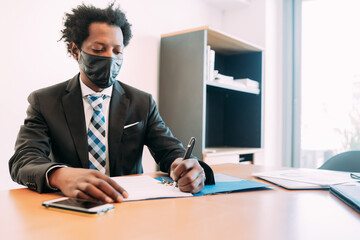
(330, 80)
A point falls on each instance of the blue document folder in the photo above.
(225, 183)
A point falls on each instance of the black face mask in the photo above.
(101, 71)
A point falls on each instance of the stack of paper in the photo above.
(214, 76)
(223, 78)
(305, 178)
(247, 82)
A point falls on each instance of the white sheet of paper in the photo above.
(146, 187)
(313, 176)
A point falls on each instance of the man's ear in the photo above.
(75, 52)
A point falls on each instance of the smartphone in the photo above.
(79, 205)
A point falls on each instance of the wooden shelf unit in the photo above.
(217, 114)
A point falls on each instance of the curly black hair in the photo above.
(76, 24)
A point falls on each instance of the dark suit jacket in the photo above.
(54, 132)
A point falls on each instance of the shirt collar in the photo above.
(85, 90)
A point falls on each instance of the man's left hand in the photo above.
(189, 175)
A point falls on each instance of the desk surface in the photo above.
(267, 214)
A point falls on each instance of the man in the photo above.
(80, 132)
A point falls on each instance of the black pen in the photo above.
(189, 148)
(188, 152)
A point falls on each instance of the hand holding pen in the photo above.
(187, 171)
(187, 154)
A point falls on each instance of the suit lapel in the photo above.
(74, 114)
(119, 106)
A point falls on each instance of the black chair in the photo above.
(346, 161)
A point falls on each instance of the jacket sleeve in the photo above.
(164, 147)
(31, 159)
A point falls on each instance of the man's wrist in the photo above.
(49, 176)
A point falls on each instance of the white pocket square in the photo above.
(130, 125)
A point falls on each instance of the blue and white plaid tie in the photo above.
(97, 134)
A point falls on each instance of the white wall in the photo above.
(247, 23)
(32, 58)
(274, 80)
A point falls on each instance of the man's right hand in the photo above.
(86, 184)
